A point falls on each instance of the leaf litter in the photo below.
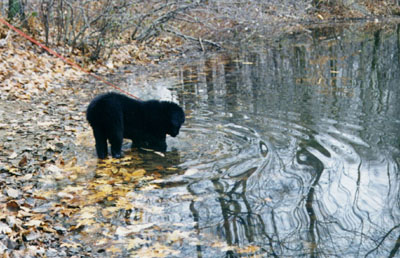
(56, 198)
(42, 207)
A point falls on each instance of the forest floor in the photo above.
(42, 108)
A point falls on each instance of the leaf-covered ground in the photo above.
(42, 120)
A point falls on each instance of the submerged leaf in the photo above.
(136, 242)
(249, 249)
(138, 173)
(124, 231)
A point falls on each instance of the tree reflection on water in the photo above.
(326, 104)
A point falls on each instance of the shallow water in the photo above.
(288, 150)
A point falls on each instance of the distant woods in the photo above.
(97, 27)
(94, 27)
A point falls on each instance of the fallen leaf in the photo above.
(32, 235)
(4, 228)
(191, 171)
(13, 193)
(124, 231)
(13, 206)
(23, 161)
(249, 249)
(33, 222)
(138, 173)
(136, 242)
(13, 155)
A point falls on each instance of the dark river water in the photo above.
(289, 149)
(293, 150)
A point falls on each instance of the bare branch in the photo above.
(163, 19)
(200, 40)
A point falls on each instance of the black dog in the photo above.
(114, 116)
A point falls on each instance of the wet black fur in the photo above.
(113, 117)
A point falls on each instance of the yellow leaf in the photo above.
(85, 222)
(124, 204)
(88, 212)
(114, 249)
(108, 212)
(149, 187)
(106, 189)
(114, 170)
(136, 242)
(138, 173)
(249, 249)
